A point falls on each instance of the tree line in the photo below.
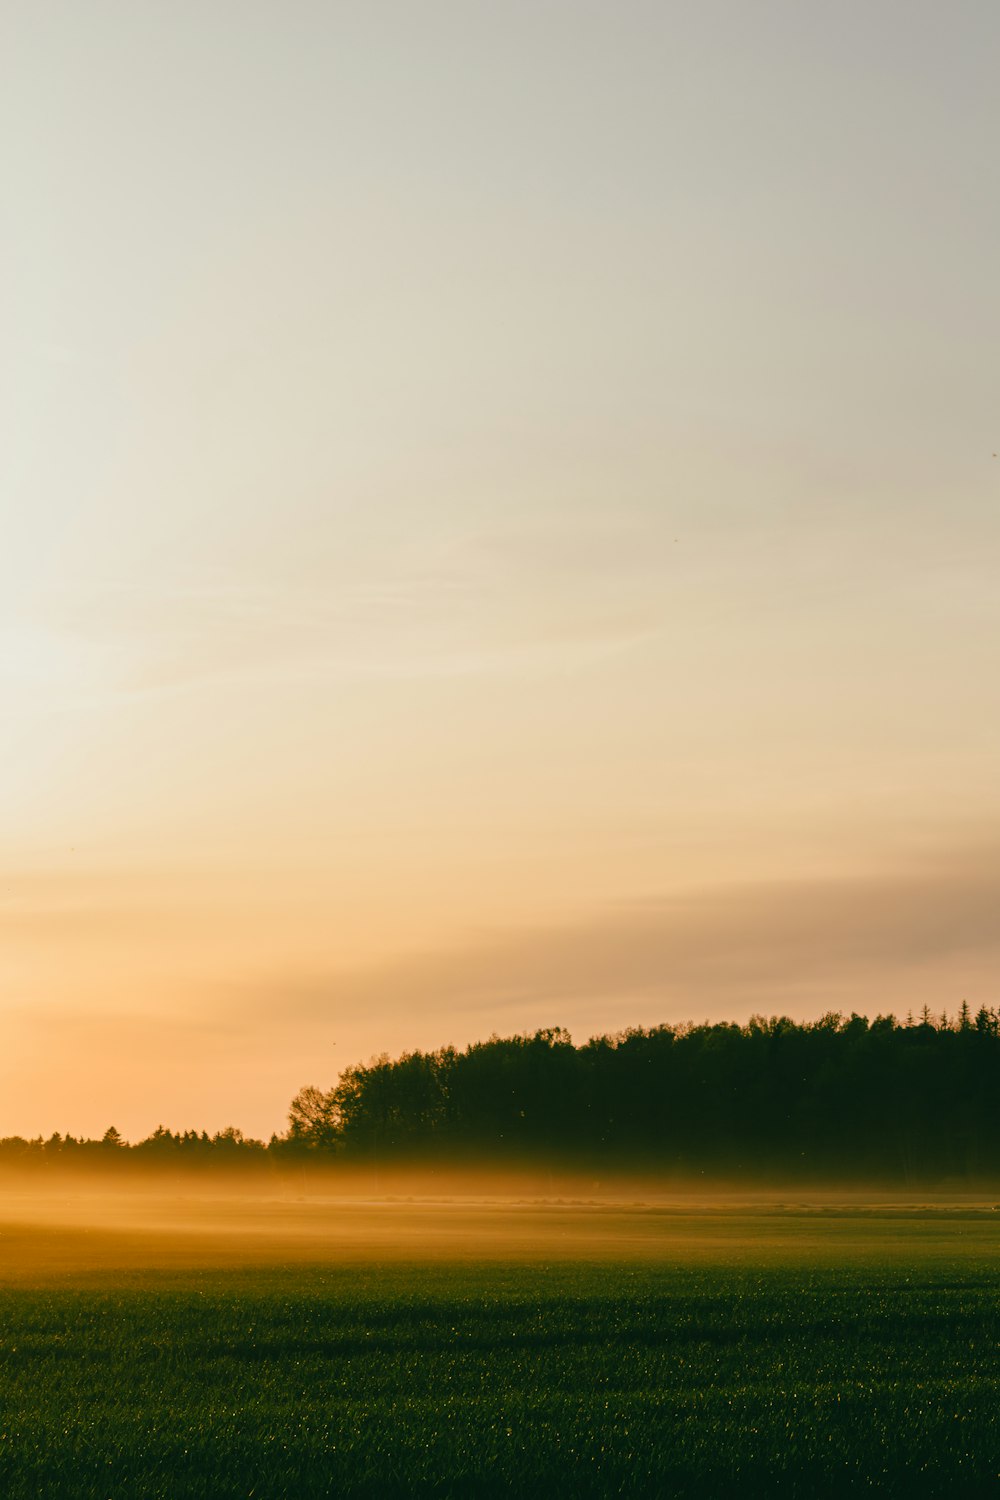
(838, 1099)
(183, 1149)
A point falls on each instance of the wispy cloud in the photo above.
(238, 1049)
(488, 606)
(868, 941)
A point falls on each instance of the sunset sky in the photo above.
(500, 528)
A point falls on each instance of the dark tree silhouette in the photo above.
(841, 1097)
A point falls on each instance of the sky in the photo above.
(500, 528)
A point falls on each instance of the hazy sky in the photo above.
(501, 528)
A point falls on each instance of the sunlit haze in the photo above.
(501, 521)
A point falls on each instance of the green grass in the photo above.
(707, 1374)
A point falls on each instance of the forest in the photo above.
(837, 1099)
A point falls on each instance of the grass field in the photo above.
(190, 1348)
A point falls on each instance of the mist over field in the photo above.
(220, 1344)
(73, 1233)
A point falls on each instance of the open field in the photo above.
(197, 1347)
